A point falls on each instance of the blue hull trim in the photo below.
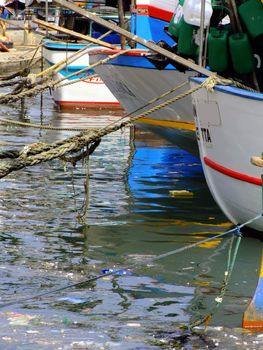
(52, 45)
(69, 71)
(232, 90)
(150, 29)
(136, 62)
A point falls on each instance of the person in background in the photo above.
(4, 13)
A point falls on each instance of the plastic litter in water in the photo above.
(180, 193)
(16, 319)
(133, 324)
(117, 272)
(73, 300)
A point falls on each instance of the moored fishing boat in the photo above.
(80, 90)
(229, 123)
(135, 81)
(138, 77)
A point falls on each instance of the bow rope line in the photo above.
(231, 259)
(209, 83)
(40, 152)
(66, 61)
(235, 230)
(37, 88)
(50, 127)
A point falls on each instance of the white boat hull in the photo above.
(229, 132)
(79, 92)
(134, 86)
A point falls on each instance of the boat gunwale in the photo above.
(131, 52)
(232, 90)
(94, 49)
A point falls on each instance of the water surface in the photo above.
(135, 213)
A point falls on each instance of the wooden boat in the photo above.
(19, 58)
(80, 91)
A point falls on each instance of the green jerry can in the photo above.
(251, 14)
(186, 45)
(174, 27)
(241, 53)
(218, 5)
(218, 54)
(175, 23)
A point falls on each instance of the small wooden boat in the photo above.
(81, 90)
(20, 45)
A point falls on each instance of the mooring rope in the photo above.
(227, 275)
(73, 57)
(37, 87)
(22, 73)
(135, 266)
(75, 144)
(40, 126)
(51, 127)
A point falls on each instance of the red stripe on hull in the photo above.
(232, 173)
(94, 106)
(98, 104)
(155, 12)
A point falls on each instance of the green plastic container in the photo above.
(174, 28)
(175, 23)
(186, 45)
(251, 14)
(241, 53)
(218, 54)
(218, 4)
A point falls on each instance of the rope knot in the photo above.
(31, 79)
(210, 82)
(238, 232)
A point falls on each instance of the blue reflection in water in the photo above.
(154, 169)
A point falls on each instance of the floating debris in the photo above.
(117, 272)
(183, 339)
(180, 193)
(16, 319)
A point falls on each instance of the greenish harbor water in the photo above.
(134, 214)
